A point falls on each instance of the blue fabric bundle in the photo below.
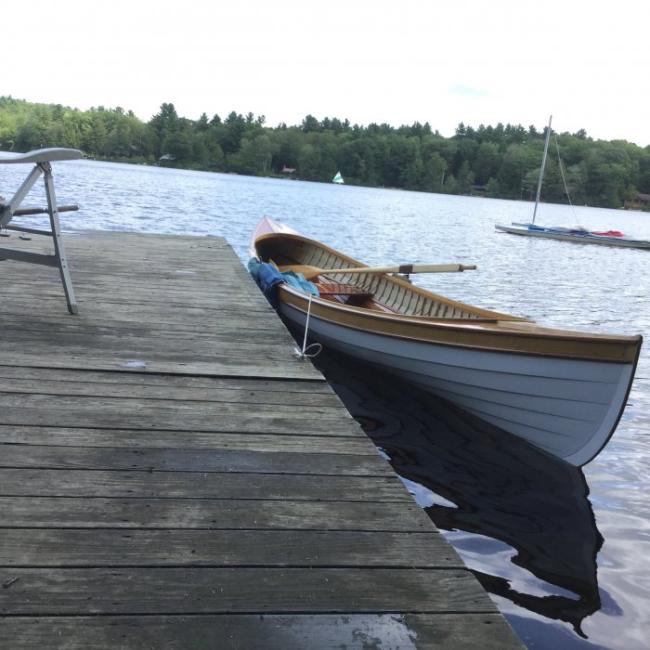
(268, 277)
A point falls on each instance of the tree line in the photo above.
(501, 161)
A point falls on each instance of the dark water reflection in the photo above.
(470, 476)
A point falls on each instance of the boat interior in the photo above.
(374, 291)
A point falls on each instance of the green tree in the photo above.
(309, 160)
(514, 174)
(433, 168)
(486, 164)
(465, 178)
(254, 156)
(506, 158)
(235, 127)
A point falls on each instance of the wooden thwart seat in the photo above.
(42, 159)
(349, 294)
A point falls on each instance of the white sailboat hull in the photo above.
(547, 233)
(567, 407)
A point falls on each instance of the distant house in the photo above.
(639, 202)
(288, 170)
(166, 158)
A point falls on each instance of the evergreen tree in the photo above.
(505, 158)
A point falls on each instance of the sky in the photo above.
(470, 61)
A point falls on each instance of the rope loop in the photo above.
(312, 350)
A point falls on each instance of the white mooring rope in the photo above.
(315, 347)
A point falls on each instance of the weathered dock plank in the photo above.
(197, 485)
(183, 515)
(244, 589)
(271, 632)
(164, 382)
(103, 412)
(181, 459)
(172, 476)
(83, 385)
(225, 548)
(155, 439)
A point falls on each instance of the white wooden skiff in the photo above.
(563, 391)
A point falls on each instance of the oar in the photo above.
(312, 271)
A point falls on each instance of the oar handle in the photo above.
(407, 269)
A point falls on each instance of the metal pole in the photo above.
(59, 250)
(541, 171)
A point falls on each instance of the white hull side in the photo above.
(566, 407)
(579, 239)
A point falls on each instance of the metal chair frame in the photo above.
(42, 167)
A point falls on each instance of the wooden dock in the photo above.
(172, 477)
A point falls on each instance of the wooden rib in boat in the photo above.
(563, 391)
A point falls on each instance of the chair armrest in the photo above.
(39, 155)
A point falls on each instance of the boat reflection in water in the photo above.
(499, 486)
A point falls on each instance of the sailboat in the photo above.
(577, 234)
(338, 179)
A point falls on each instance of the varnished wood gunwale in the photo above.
(497, 337)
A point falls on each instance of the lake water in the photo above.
(563, 552)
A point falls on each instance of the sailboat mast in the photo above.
(541, 171)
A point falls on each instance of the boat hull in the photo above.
(562, 391)
(567, 407)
